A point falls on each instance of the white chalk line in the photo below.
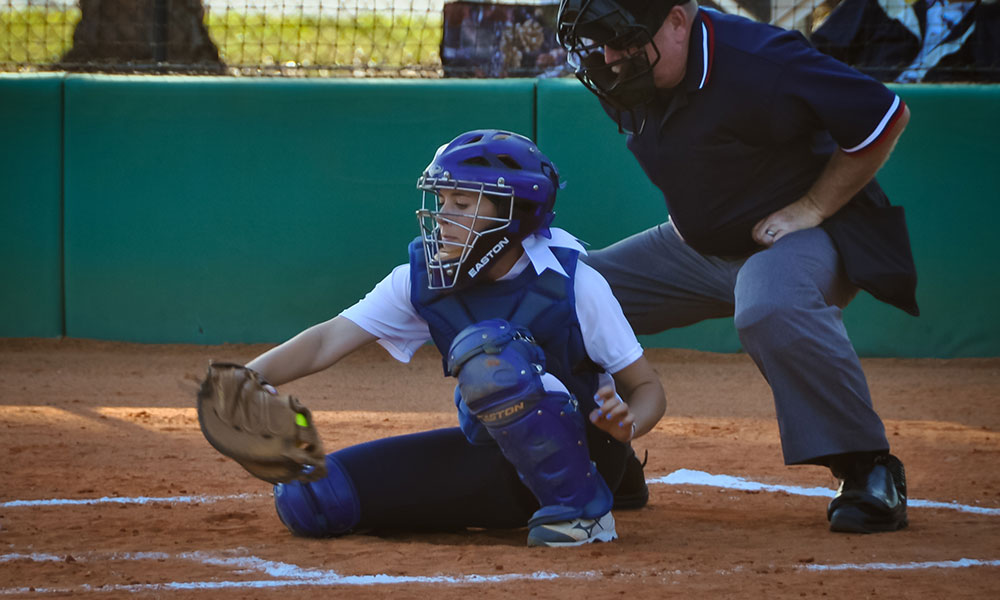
(128, 500)
(690, 477)
(280, 574)
(962, 563)
(679, 477)
(289, 575)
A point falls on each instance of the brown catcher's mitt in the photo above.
(271, 436)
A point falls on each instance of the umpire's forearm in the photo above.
(845, 174)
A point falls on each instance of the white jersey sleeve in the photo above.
(387, 313)
(608, 337)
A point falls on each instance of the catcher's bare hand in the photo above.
(271, 436)
(612, 415)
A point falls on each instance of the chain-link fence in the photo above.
(893, 40)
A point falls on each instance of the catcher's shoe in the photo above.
(632, 492)
(574, 532)
(870, 499)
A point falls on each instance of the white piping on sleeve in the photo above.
(878, 130)
(704, 56)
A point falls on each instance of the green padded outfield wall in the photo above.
(212, 210)
(169, 186)
(944, 171)
(30, 205)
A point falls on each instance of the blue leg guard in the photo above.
(324, 508)
(541, 433)
(470, 425)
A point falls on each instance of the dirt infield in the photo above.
(157, 513)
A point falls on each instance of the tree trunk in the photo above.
(142, 35)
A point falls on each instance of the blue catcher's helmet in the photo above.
(501, 167)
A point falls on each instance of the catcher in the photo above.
(552, 384)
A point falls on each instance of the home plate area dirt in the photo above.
(108, 489)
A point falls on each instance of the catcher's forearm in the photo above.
(648, 404)
(310, 351)
(640, 386)
(290, 360)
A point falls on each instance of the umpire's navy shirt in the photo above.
(750, 127)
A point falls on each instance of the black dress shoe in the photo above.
(632, 491)
(871, 498)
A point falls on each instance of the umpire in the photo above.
(765, 151)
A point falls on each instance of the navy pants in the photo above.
(437, 480)
(786, 302)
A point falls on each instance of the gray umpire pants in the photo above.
(786, 302)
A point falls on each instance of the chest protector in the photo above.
(543, 304)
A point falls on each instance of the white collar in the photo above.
(538, 250)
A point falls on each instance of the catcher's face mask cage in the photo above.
(445, 257)
(585, 27)
(496, 167)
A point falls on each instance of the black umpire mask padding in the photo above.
(586, 27)
(626, 83)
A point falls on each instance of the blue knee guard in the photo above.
(324, 508)
(541, 433)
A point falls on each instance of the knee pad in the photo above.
(499, 369)
(325, 508)
(541, 433)
(469, 424)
